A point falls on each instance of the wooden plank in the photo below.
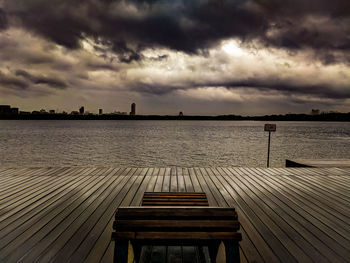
(26, 213)
(108, 254)
(159, 183)
(283, 220)
(325, 186)
(31, 219)
(31, 179)
(174, 194)
(84, 249)
(137, 199)
(310, 205)
(175, 203)
(326, 174)
(268, 229)
(174, 199)
(216, 192)
(335, 216)
(260, 251)
(8, 176)
(292, 216)
(337, 183)
(212, 224)
(75, 231)
(180, 179)
(166, 181)
(212, 201)
(26, 199)
(194, 180)
(173, 180)
(167, 237)
(98, 241)
(141, 172)
(39, 229)
(318, 203)
(152, 183)
(158, 212)
(310, 215)
(188, 183)
(61, 223)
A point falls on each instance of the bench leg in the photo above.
(213, 251)
(232, 252)
(121, 250)
(137, 251)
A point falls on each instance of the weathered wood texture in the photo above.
(174, 199)
(66, 214)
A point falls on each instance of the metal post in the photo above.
(268, 151)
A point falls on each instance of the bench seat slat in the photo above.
(178, 198)
(173, 194)
(179, 212)
(177, 203)
(185, 236)
(175, 225)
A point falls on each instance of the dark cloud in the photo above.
(268, 84)
(126, 54)
(190, 26)
(12, 82)
(54, 83)
(3, 20)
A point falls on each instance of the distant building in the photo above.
(100, 111)
(14, 110)
(181, 114)
(81, 110)
(118, 113)
(74, 113)
(5, 109)
(133, 109)
(42, 111)
(315, 112)
(52, 111)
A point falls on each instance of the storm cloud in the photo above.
(189, 26)
(297, 49)
(56, 83)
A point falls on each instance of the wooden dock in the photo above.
(66, 214)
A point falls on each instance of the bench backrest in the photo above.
(174, 199)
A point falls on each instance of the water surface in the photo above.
(166, 143)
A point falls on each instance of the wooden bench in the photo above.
(192, 226)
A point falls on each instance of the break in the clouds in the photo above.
(200, 56)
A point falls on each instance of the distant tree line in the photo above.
(287, 117)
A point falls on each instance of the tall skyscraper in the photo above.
(81, 110)
(133, 109)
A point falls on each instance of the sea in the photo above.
(135, 143)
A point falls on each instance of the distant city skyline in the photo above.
(8, 110)
(205, 57)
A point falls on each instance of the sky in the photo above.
(201, 57)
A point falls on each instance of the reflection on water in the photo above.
(166, 143)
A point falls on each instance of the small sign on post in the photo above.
(269, 128)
